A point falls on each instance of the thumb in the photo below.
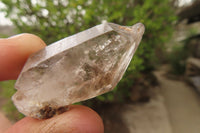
(79, 119)
(14, 52)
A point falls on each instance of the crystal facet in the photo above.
(75, 68)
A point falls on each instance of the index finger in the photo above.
(14, 52)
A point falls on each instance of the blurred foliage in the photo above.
(7, 90)
(177, 59)
(53, 20)
(180, 52)
(3, 35)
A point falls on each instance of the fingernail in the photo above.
(28, 43)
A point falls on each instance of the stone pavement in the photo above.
(182, 103)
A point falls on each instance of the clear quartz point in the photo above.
(75, 68)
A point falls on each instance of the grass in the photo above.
(7, 90)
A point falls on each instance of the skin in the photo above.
(14, 52)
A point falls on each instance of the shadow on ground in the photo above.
(112, 117)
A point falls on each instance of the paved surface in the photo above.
(175, 108)
(151, 117)
(182, 103)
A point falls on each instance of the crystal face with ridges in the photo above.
(75, 68)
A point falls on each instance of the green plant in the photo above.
(177, 59)
(7, 90)
(3, 36)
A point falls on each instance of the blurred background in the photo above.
(159, 92)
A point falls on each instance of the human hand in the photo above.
(14, 52)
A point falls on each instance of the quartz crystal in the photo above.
(75, 68)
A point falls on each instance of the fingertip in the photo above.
(87, 119)
(79, 119)
(14, 52)
(27, 43)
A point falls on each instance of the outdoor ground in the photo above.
(174, 108)
(182, 103)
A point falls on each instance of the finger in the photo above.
(4, 123)
(14, 52)
(79, 119)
